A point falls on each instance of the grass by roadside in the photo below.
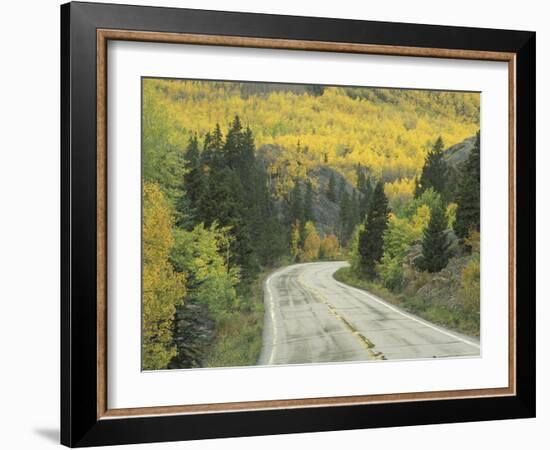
(456, 320)
(238, 339)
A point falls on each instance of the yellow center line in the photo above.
(362, 339)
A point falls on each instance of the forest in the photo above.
(242, 178)
(425, 256)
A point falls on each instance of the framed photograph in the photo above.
(276, 224)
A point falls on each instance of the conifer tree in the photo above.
(467, 213)
(366, 196)
(361, 179)
(345, 209)
(234, 144)
(331, 189)
(217, 137)
(434, 172)
(247, 157)
(296, 209)
(309, 215)
(192, 162)
(193, 184)
(231, 175)
(371, 243)
(353, 214)
(212, 149)
(341, 189)
(435, 245)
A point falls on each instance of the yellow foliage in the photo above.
(330, 247)
(451, 214)
(312, 243)
(470, 290)
(421, 218)
(295, 241)
(399, 192)
(387, 130)
(163, 289)
(473, 241)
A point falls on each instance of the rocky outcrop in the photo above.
(458, 153)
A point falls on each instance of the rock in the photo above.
(458, 153)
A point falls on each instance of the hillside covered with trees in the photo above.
(425, 256)
(390, 131)
(240, 178)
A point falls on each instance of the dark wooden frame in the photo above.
(85, 418)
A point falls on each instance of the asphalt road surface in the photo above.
(310, 318)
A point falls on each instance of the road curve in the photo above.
(310, 317)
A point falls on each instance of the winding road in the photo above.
(311, 317)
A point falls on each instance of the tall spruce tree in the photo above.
(345, 212)
(341, 189)
(229, 171)
(361, 179)
(434, 172)
(212, 157)
(296, 207)
(309, 215)
(366, 196)
(229, 187)
(331, 188)
(233, 147)
(353, 214)
(247, 158)
(193, 184)
(435, 244)
(467, 198)
(371, 243)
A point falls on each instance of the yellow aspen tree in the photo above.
(295, 241)
(330, 247)
(163, 288)
(312, 243)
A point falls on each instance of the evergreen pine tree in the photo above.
(234, 144)
(247, 167)
(365, 198)
(371, 243)
(344, 216)
(341, 189)
(309, 215)
(353, 214)
(212, 157)
(331, 189)
(434, 172)
(467, 198)
(230, 176)
(361, 180)
(435, 245)
(193, 184)
(296, 208)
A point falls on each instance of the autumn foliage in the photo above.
(239, 178)
(163, 288)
